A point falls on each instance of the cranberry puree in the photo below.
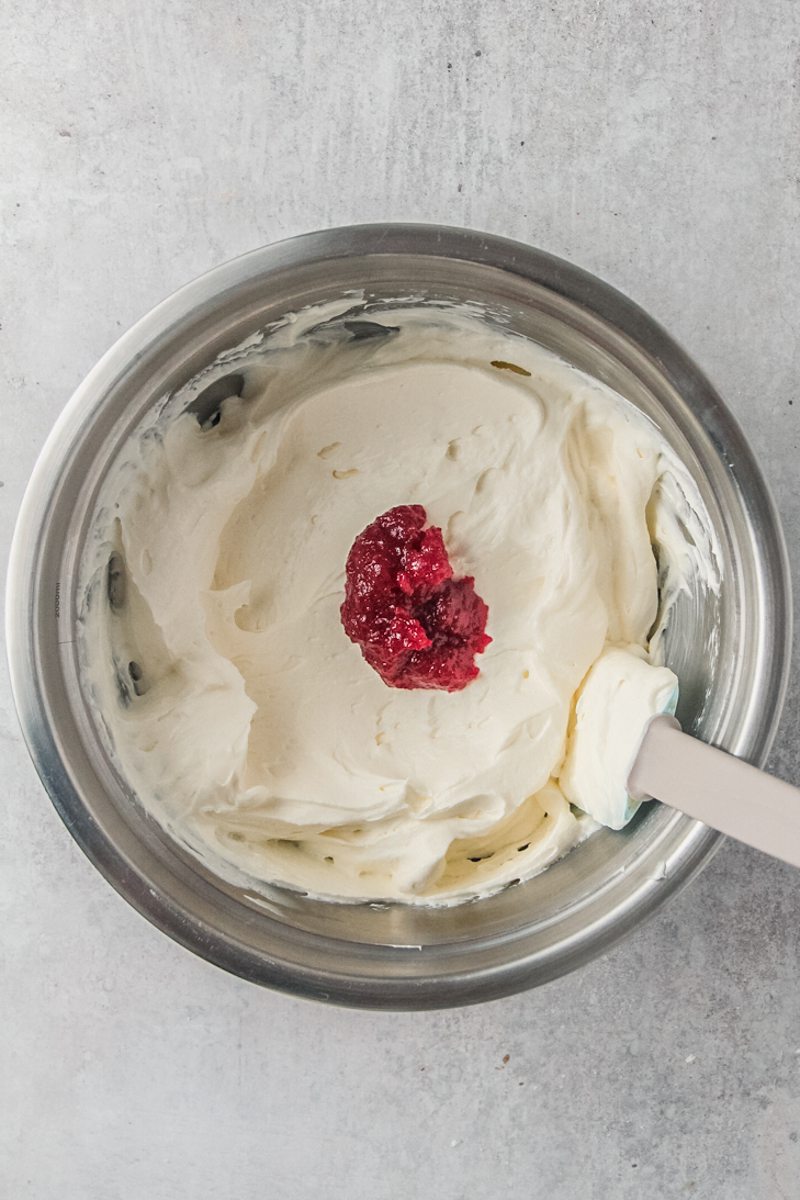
(417, 625)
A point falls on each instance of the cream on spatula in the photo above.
(626, 746)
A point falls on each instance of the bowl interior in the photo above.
(724, 648)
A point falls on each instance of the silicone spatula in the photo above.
(626, 746)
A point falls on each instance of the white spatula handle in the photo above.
(718, 789)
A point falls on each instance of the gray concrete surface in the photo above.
(654, 143)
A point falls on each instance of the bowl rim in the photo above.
(422, 240)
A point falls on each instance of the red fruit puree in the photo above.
(417, 626)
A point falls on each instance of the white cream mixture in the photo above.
(239, 711)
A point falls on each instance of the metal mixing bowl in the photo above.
(394, 956)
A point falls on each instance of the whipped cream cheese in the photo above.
(238, 710)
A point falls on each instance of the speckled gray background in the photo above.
(143, 141)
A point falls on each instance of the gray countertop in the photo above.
(656, 144)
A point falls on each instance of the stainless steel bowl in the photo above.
(393, 956)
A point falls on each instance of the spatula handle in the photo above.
(718, 789)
